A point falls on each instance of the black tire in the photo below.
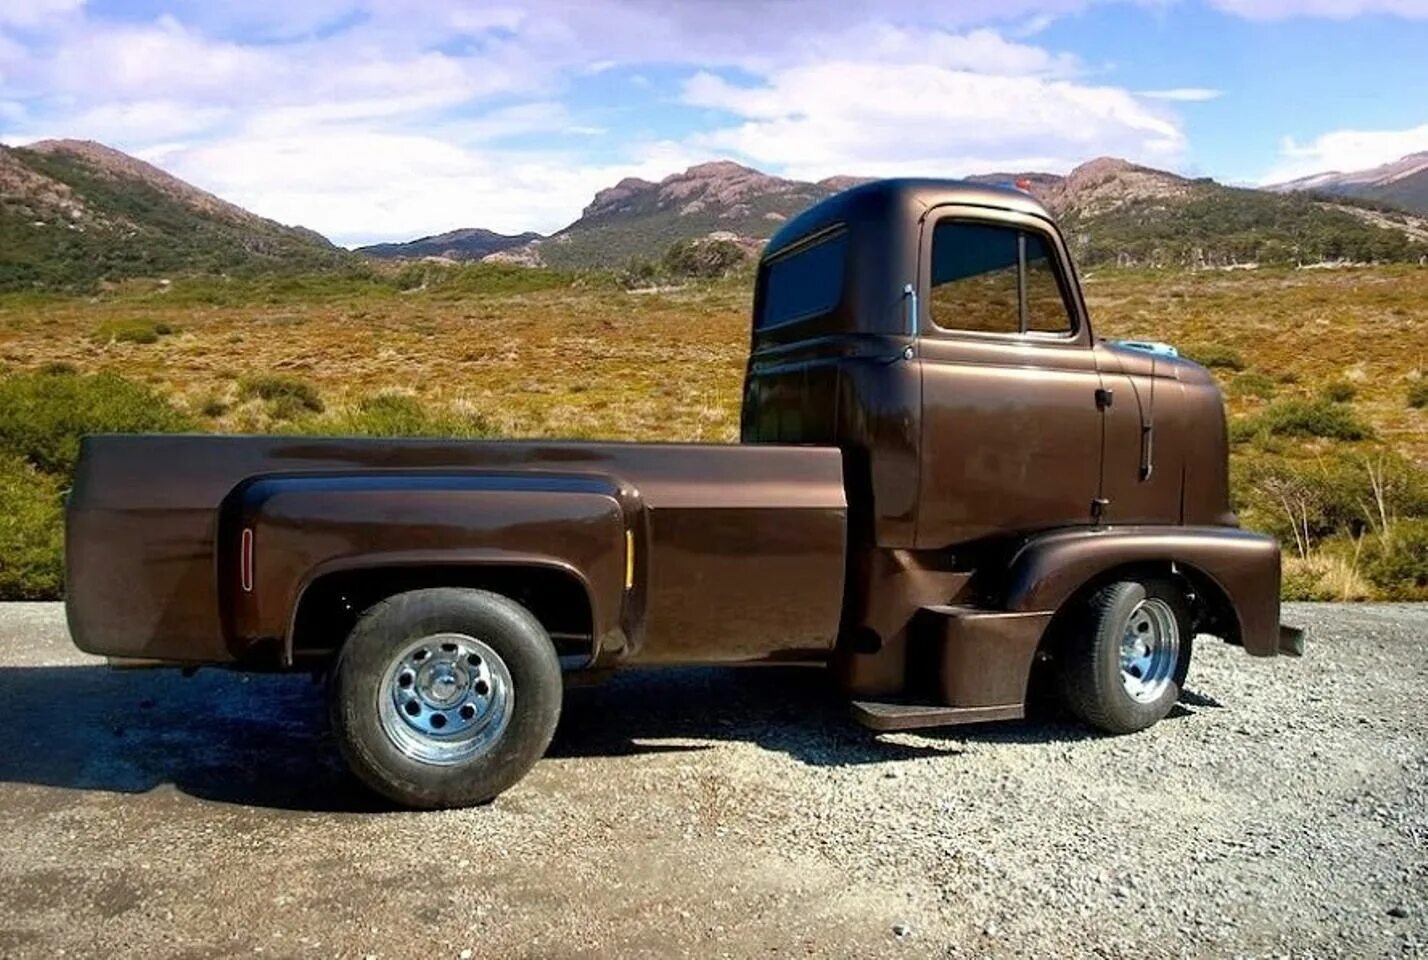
(360, 682)
(1090, 674)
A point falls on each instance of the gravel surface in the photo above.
(1282, 810)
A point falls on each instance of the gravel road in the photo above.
(1282, 810)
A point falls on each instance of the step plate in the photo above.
(884, 716)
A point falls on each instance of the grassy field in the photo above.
(1324, 373)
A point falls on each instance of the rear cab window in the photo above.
(806, 282)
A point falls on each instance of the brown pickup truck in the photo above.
(948, 489)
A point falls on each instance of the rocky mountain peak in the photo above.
(720, 183)
(1105, 183)
(614, 199)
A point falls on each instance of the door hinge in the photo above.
(1103, 398)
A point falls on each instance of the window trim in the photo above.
(801, 246)
(1023, 224)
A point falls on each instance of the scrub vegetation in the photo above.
(1323, 373)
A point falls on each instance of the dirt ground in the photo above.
(1282, 810)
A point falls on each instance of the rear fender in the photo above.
(1241, 567)
(280, 534)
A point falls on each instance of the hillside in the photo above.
(73, 213)
(471, 243)
(636, 219)
(1402, 184)
(1117, 212)
(1113, 212)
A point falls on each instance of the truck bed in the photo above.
(742, 546)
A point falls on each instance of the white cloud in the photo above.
(33, 13)
(376, 119)
(362, 186)
(1345, 151)
(1182, 94)
(1333, 9)
(875, 118)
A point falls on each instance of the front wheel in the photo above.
(1127, 655)
(445, 697)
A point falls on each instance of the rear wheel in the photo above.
(1127, 655)
(445, 697)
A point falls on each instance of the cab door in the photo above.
(1011, 429)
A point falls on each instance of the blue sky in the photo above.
(388, 119)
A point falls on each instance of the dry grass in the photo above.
(588, 361)
(1303, 329)
(571, 361)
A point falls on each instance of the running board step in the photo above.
(885, 716)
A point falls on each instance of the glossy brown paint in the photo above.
(155, 527)
(949, 493)
(1241, 567)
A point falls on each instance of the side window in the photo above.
(994, 279)
(804, 284)
(1045, 308)
(974, 285)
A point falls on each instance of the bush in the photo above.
(1418, 394)
(704, 259)
(286, 396)
(1397, 561)
(1314, 418)
(1339, 391)
(395, 415)
(43, 415)
(1215, 355)
(31, 532)
(131, 331)
(1253, 384)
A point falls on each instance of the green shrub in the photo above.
(1243, 429)
(43, 415)
(1418, 393)
(396, 415)
(1215, 355)
(702, 259)
(1397, 562)
(1251, 384)
(131, 331)
(286, 396)
(1339, 391)
(31, 532)
(1313, 418)
(1298, 583)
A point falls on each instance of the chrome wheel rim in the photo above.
(1150, 649)
(445, 699)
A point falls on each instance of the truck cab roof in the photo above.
(901, 200)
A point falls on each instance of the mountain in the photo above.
(636, 219)
(1112, 211)
(1117, 212)
(74, 213)
(471, 243)
(1402, 183)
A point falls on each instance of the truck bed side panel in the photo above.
(752, 535)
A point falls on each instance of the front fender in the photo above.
(289, 530)
(1242, 566)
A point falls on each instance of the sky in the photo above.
(377, 120)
